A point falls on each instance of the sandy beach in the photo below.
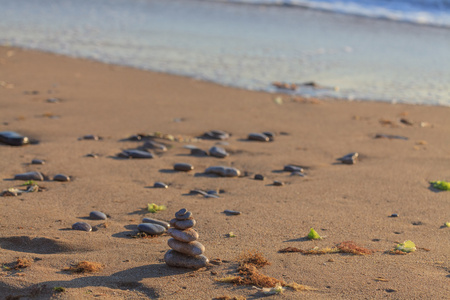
(341, 202)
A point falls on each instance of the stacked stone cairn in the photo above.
(186, 251)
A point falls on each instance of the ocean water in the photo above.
(396, 51)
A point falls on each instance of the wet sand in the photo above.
(342, 202)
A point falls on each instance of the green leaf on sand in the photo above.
(406, 246)
(313, 235)
(153, 208)
(441, 185)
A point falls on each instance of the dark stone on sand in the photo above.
(30, 176)
(38, 162)
(292, 168)
(270, 135)
(97, 215)
(259, 177)
(91, 137)
(349, 159)
(161, 185)
(278, 183)
(223, 171)
(389, 136)
(184, 224)
(83, 226)
(180, 260)
(198, 152)
(61, 177)
(183, 214)
(218, 152)
(185, 236)
(183, 167)
(192, 248)
(157, 222)
(92, 155)
(198, 192)
(134, 138)
(296, 173)
(152, 229)
(135, 154)
(154, 145)
(394, 216)
(232, 212)
(216, 135)
(258, 137)
(13, 138)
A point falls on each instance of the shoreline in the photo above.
(341, 202)
(269, 90)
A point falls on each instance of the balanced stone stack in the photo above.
(186, 251)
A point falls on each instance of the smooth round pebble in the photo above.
(154, 145)
(183, 167)
(180, 260)
(135, 154)
(186, 215)
(292, 168)
(216, 135)
(61, 177)
(30, 176)
(258, 137)
(83, 226)
(185, 224)
(152, 229)
(161, 185)
(198, 152)
(278, 183)
(394, 216)
(259, 177)
(97, 215)
(269, 134)
(38, 162)
(157, 222)
(224, 171)
(218, 152)
(192, 248)
(185, 236)
(91, 137)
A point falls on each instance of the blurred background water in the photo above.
(397, 51)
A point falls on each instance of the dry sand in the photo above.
(342, 202)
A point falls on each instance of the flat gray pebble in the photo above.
(180, 260)
(258, 137)
(97, 215)
(183, 214)
(30, 176)
(292, 168)
(219, 152)
(161, 185)
(224, 171)
(154, 145)
(183, 167)
(184, 224)
(192, 248)
(152, 229)
(216, 135)
(135, 154)
(38, 162)
(157, 222)
(83, 226)
(61, 177)
(185, 236)
(232, 212)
